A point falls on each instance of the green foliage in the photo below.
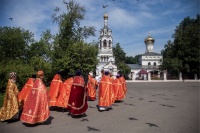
(70, 53)
(119, 54)
(120, 58)
(1, 99)
(183, 54)
(79, 56)
(24, 71)
(124, 69)
(70, 30)
(132, 60)
(14, 43)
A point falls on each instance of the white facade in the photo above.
(154, 60)
(105, 50)
(149, 61)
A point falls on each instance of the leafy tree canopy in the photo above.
(182, 55)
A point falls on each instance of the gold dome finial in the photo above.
(149, 39)
(105, 16)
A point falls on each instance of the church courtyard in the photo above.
(149, 107)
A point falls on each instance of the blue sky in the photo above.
(129, 20)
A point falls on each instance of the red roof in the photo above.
(143, 72)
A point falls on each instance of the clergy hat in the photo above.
(106, 72)
(33, 76)
(78, 73)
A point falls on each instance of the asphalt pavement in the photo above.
(149, 107)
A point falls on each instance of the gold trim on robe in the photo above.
(55, 87)
(106, 94)
(36, 108)
(64, 93)
(10, 105)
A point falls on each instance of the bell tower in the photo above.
(105, 48)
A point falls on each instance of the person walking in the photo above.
(36, 107)
(91, 87)
(10, 108)
(78, 105)
(106, 94)
(64, 92)
(22, 96)
(55, 87)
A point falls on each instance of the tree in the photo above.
(70, 51)
(119, 54)
(132, 60)
(14, 43)
(79, 56)
(120, 58)
(183, 54)
(70, 30)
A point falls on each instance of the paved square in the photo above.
(149, 107)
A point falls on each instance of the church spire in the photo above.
(105, 20)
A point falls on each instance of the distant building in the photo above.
(105, 51)
(148, 62)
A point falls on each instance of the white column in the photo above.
(195, 77)
(158, 74)
(180, 76)
(149, 76)
(133, 76)
(165, 75)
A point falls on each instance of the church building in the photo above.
(105, 51)
(148, 62)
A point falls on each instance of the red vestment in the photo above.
(123, 81)
(77, 104)
(25, 91)
(64, 93)
(106, 94)
(91, 87)
(56, 85)
(118, 90)
(36, 108)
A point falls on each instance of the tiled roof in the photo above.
(134, 66)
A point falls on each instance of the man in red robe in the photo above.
(123, 81)
(64, 92)
(25, 90)
(106, 94)
(55, 87)
(78, 96)
(118, 90)
(36, 107)
(91, 87)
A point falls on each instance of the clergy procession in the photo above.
(32, 105)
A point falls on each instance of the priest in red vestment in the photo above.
(25, 90)
(55, 87)
(91, 87)
(64, 92)
(77, 104)
(123, 81)
(106, 94)
(118, 90)
(36, 108)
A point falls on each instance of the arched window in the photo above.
(149, 63)
(104, 43)
(154, 63)
(109, 43)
